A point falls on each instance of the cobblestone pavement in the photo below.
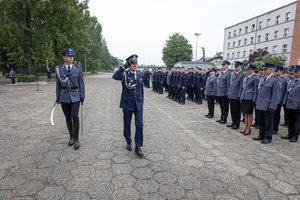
(187, 155)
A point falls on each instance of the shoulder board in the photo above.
(59, 66)
(77, 66)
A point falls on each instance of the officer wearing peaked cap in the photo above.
(236, 84)
(70, 91)
(223, 83)
(266, 103)
(132, 101)
(292, 103)
(210, 92)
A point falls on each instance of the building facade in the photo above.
(278, 31)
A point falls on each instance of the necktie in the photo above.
(69, 69)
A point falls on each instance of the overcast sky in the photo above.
(143, 26)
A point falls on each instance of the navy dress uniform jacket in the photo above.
(223, 84)
(211, 86)
(283, 81)
(292, 96)
(236, 85)
(268, 94)
(132, 99)
(249, 88)
(69, 85)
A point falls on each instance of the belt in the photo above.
(70, 88)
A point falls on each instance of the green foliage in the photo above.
(177, 49)
(278, 60)
(34, 32)
(26, 78)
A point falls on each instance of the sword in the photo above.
(81, 119)
(52, 113)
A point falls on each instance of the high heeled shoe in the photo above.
(248, 132)
(243, 132)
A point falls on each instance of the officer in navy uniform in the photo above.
(146, 76)
(288, 78)
(236, 86)
(210, 92)
(248, 97)
(159, 80)
(223, 83)
(283, 82)
(182, 86)
(132, 101)
(266, 103)
(170, 83)
(292, 103)
(199, 79)
(70, 91)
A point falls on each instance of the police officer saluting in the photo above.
(132, 101)
(70, 91)
(266, 103)
(292, 103)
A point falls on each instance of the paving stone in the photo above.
(262, 174)
(122, 168)
(283, 187)
(122, 159)
(102, 164)
(199, 195)
(140, 162)
(83, 171)
(193, 163)
(51, 192)
(11, 182)
(101, 190)
(143, 173)
(271, 194)
(124, 180)
(171, 191)
(152, 197)
(78, 184)
(28, 188)
(146, 186)
(165, 178)
(76, 196)
(5, 195)
(126, 193)
(160, 166)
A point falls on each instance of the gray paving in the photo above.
(187, 155)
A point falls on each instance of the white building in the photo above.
(275, 31)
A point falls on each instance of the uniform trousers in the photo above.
(211, 105)
(294, 122)
(224, 105)
(138, 116)
(235, 110)
(266, 123)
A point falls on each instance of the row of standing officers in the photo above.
(241, 93)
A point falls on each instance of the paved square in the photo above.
(187, 155)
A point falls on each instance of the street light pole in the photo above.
(196, 34)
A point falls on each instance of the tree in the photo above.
(278, 60)
(176, 49)
(257, 54)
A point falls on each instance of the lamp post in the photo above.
(196, 34)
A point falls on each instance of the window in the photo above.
(275, 34)
(228, 45)
(234, 33)
(277, 19)
(253, 27)
(227, 55)
(239, 42)
(260, 25)
(284, 48)
(238, 54)
(268, 22)
(258, 38)
(274, 49)
(267, 37)
(240, 31)
(245, 41)
(251, 40)
(287, 16)
(233, 44)
(229, 35)
(286, 32)
(246, 29)
(244, 53)
(232, 55)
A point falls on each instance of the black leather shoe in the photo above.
(210, 116)
(287, 137)
(71, 141)
(139, 152)
(258, 138)
(129, 147)
(76, 144)
(222, 122)
(293, 140)
(219, 120)
(275, 132)
(206, 115)
(266, 141)
(230, 125)
(235, 127)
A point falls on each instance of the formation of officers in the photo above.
(258, 95)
